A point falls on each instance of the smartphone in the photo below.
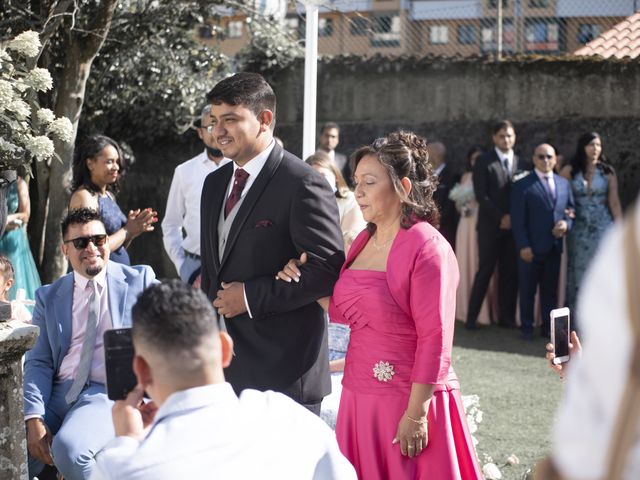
(118, 356)
(560, 329)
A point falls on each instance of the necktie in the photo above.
(505, 164)
(240, 181)
(88, 345)
(547, 184)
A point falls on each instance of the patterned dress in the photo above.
(592, 220)
(114, 219)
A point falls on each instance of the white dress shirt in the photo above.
(506, 156)
(79, 315)
(183, 207)
(253, 167)
(596, 381)
(208, 432)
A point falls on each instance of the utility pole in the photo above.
(499, 50)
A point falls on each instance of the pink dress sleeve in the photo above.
(434, 280)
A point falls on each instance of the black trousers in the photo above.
(496, 247)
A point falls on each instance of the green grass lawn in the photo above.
(518, 394)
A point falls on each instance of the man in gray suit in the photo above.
(67, 412)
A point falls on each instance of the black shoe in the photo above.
(527, 336)
(471, 326)
(506, 325)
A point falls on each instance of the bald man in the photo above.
(541, 206)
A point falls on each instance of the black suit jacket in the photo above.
(448, 213)
(288, 210)
(492, 187)
(344, 165)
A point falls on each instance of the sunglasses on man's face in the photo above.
(83, 242)
(542, 156)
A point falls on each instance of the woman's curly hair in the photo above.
(404, 154)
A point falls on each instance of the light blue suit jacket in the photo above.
(52, 314)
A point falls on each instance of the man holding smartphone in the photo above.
(67, 412)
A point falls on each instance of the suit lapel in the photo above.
(499, 167)
(252, 196)
(63, 314)
(117, 291)
(544, 192)
(219, 196)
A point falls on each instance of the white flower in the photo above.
(39, 79)
(27, 43)
(491, 471)
(6, 95)
(513, 460)
(40, 147)
(62, 128)
(4, 56)
(45, 116)
(20, 108)
(8, 146)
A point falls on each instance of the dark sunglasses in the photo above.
(83, 242)
(542, 156)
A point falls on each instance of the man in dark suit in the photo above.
(446, 180)
(541, 204)
(492, 176)
(329, 140)
(257, 213)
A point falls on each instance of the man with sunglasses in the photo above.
(541, 206)
(67, 412)
(183, 203)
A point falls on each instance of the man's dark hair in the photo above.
(80, 216)
(173, 317)
(500, 125)
(248, 89)
(329, 125)
(6, 268)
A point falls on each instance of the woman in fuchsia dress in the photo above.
(401, 413)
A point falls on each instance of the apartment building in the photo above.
(439, 27)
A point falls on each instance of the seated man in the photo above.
(201, 428)
(66, 408)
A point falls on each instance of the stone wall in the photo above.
(454, 101)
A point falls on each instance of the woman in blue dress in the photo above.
(595, 191)
(15, 244)
(96, 166)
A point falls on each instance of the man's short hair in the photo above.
(248, 89)
(500, 125)
(80, 216)
(173, 317)
(6, 268)
(328, 126)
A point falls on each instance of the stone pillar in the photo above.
(15, 339)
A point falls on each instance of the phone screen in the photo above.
(561, 336)
(118, 352)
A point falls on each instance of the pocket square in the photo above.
(264, 224)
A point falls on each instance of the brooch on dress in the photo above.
(383, 371)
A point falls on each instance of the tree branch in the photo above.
(100, 28)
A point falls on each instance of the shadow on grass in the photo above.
(497, 339)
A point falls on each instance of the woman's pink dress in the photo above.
(370, 409)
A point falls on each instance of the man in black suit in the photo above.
(257, 213)
(492, 176)
(329, 140)
(446, 180)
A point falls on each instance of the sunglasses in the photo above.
(544, 157)
(83, 242)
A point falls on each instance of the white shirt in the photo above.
(253, 167)
(208, 432)
(79, 315)
(596, 381)
(439, 168)
(183, 207)
(506, 156)
(548, 179)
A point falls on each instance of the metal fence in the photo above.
(450, 27)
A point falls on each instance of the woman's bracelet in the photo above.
(419, 421)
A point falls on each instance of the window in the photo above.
(466, 34)
(538, 3)
(359, 26)
(494, 3)
(325, 27)
(386, 31)
(587, 32)
(489, 36)
(541, 35)
(438, 34)
(205, 32)
(234, 29)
